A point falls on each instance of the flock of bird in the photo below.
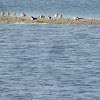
(14, 14)
(23, 15)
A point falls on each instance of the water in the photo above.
(50, 62)
(54, 62)
(89, 9)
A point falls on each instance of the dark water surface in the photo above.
(49, 62)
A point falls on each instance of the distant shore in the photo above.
(27, 20)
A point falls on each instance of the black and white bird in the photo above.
(49, 17)
(33, 18)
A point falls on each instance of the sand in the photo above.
(27, 20)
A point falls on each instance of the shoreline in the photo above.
(27, 20)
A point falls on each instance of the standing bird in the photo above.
(14, 14)
(56, 15)
(8, 13)
(2, 13)
(60, 16)
(23, 15)
(49, 17)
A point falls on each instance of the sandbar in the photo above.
(27, 20)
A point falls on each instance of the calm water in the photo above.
(68, 8)
(49, 62)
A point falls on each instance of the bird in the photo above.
(2, 13)
(56, 15)
(33, 18)
(23, 15)
(8, 13)
(14, 13)
(60, 15)
(41, 16)
(49, 17)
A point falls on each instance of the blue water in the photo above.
(49, 62)
(89, 9)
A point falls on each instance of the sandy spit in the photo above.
(27, 20)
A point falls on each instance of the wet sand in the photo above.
(27, 20)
